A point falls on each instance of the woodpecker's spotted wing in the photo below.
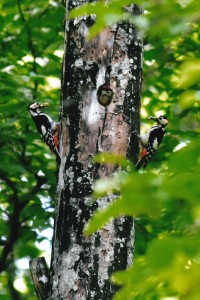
(43, 124)
(155, 137)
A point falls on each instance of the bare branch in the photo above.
(40, 273)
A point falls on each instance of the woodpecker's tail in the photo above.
(143, 162)
(140, 163)
(54, 150)
(49, 139)
(58, 159)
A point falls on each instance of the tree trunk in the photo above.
(81, 266)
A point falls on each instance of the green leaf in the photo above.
(189, 74)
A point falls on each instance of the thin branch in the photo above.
(39, 180)
(14, 218)
(30, 44)
(9, 182)
(14, 294)
(40, 276)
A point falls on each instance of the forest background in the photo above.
(164, 199)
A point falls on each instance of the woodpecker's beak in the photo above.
(44, 104)
(153, 118)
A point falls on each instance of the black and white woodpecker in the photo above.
(104, 95)
(151, 140)
(47, 128)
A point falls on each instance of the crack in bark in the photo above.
(81, 266)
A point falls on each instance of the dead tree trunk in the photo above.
(81, 266)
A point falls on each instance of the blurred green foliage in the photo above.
(31, 46)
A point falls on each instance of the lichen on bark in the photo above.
(81, 266)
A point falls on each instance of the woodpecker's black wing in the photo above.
(43, 125)
(155, 138)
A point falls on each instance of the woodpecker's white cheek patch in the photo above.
(155, 144)
(164, 122)
(43, 130)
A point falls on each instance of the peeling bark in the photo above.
(81, 266)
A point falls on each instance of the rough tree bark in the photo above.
(81, 266)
